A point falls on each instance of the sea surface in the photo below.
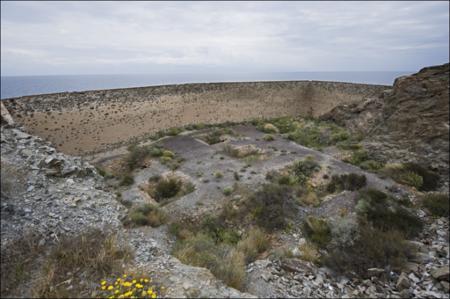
(15, 86)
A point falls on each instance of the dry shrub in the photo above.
(309, 252)
(255, 242)
(436, 203)
(372, 249)
(81, 260)
(46, 272)
(18, 260)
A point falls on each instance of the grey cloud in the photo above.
(136, 37)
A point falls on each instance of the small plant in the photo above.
(317, 230)
(309, 252)
(268, 137)
(372, 248)
(351, 181)
(127, 180)
(148, 214)
(129, 286)
(167, 188)
(269, 206)
(384, 213)
(409, 173)
(218, 175)
(303, 169)
(269, 128)
(310, 198)
(136, 156)
(254, 243)
(227, 191)
(436, 203)
(236, 176)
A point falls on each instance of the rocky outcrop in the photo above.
(48, 192)
(408, 122)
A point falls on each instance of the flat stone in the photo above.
(441, 273)
(403, 282)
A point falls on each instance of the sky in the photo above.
(54, 38)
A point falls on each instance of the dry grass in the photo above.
(309, 252)
(68, 269)
(255, 242)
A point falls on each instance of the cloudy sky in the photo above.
(42, 38)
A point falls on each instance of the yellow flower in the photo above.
(124, 276)
(110, 288)
(139, 286)
(111, 297)
(146, 280)
(116, 292)
(103, 287)
(103, 282)
(126, 284)
(143, 294)
(134, 281)
(150, 292)
(154, 295)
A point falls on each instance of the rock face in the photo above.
(412, 117)
(49, 192)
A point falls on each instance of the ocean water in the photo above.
(15, 86)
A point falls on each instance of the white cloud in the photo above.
(83, 37)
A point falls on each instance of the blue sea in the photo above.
(15, 86)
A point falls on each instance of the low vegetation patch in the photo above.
(128, 286)
(386, 214)
(351, 181)
(413, 175)
(216, 135)
(317, 230)
(164, 188)
(146, 214)
(371, 248)
(63, 270)
(436, 203)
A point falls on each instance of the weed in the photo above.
(351, 181)
(436, 203)
(384, 213)
(317, 230)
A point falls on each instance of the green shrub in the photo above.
(408, 173)
(436, 203)
(411, 179)
(384, 213)
(218, 175)
(270, 205)
(174, 131)
(429, 177)
(127, 180)
(372, 248)
(269, 128)
(286, 180)
(225, 263)
(371, 165)
(156, 152)
(167, 188)
(304, 169)
(215, 135)
(227, 191)
(358, 157)
(136, 156)
(268, 137)
(147, 214)
(351, 181)
(317, 230)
